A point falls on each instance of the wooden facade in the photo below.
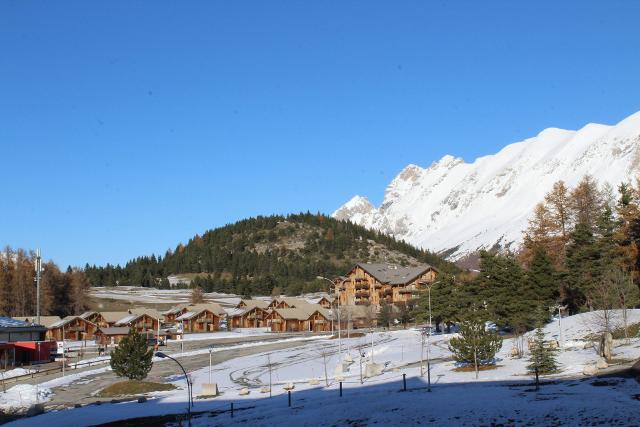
(300, 319)
(73, 328)
(201, 321)
(318, 322)
(170, 316)
(370, 284)
(139, 322)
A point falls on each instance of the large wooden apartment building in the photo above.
(371, 284)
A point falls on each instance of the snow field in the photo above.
(400, 351)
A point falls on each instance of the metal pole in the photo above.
(339, 332)
(38, 270)
(372, 345)
(429, 346)
(64, 356)
(269, 363)
(560, 326)
(421, 354)
(210, 353)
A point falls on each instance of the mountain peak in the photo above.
(447, 207)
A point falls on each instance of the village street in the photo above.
(96, 377)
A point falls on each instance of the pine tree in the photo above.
(475, 344)
(385, 315)
(542, 277)
(132, 357)
(542, 358)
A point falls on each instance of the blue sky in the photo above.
(127, 127)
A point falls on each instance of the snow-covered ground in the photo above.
(236, 333)
(498, 393)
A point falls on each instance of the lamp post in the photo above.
(162, 355)
(559, 308)
(339, 323)
(429, 343)
(428, 285)
(210, 354)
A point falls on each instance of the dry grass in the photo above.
(133, 387)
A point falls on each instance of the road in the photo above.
(80, 392)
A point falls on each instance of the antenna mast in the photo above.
(38, 271)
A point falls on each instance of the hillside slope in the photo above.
(456, 208)
(255, 255)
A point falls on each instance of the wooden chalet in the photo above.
(325, 302)
(111, 335)
(288, 302)
(305, 318)
(203, 320)
(370, 284)
(110, 318)
(249, 313)
(172, 314)
(320, 321)
(74, 328)
(93, 317)
(140, 322)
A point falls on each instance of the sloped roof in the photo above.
(174, 310)
(148, 311)
(126, 320)
(293, 313)
(65, 321)
(187, 315)
(292, 301)
(114, 316)
(213, 307)
(395, 274)
(88, 314)
(44, 320)
(251, 303)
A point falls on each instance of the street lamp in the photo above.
(210, 354)
(428, 334)
(559, 307)
(339, 323)
(429, 341)
(162, 355)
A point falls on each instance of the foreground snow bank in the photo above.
(20, 397)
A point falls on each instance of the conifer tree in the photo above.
(132, 357)
(542, 358)
(475, 344)
(385, 315)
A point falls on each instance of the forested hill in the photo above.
(255, 255)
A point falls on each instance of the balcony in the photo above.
(362, 294)
(362, 286)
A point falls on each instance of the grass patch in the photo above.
(473, 369)
(133, 387)
(351, 335)
(633, 331)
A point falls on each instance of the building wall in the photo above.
(76, 330)
(204, 322)
(361, 288)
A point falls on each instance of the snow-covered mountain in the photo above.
(461, 207)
